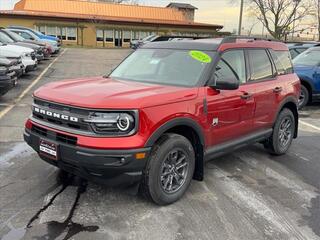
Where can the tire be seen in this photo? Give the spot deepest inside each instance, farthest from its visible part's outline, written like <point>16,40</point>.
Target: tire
<point>304,97</point>
<point>164,168</point>
<point>282,135</point>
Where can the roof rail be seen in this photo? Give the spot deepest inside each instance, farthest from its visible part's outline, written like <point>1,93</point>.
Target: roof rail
<point>233,39</point>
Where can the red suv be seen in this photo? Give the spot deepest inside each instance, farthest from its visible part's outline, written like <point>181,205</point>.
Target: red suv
<point>164,110</point>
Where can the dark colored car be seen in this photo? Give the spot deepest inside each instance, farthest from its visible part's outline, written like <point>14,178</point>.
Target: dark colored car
<point>298,48</point>
<point>8,79</point>
<point>134,44</point>
<point>47,50</point>
<point>307,67</point>
<point>14,64</point>
<point>165,110</point>
<point>6,39</point>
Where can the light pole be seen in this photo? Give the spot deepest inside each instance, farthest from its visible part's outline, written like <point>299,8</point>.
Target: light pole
<point>294,19</point>
<point>240,17</point>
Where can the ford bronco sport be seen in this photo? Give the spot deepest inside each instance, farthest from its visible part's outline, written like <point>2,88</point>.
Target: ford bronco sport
<point>166,109</point>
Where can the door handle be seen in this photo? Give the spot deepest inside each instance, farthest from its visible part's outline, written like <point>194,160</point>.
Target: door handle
<point>246,96</point>
<point>277,90</point>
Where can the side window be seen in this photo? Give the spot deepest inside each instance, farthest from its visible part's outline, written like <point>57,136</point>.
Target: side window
<point>293,53</point>
<point>231,65</point>
<point>282,60</point>
<point>25,35</point>
<point>261,67</point>
<point>301,50</point>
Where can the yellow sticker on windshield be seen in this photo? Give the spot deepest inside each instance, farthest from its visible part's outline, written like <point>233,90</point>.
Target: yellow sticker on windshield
<point>200,56</point>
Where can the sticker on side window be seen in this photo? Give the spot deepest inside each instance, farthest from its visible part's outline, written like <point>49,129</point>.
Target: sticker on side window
<point>200,56</point>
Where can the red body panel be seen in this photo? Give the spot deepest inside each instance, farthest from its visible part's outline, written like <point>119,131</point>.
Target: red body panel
<point>157,104</point>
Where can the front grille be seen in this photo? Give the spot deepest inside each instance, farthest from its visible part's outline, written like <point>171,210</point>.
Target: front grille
<point>58,137</point>
<point>80,114</point>
<point>33,56</point>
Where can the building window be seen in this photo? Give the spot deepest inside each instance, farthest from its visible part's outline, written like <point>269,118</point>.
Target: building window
<point>41,29</point>
<point>108,35</point>
<point>126,36</point>
<point>62,33</point>
<point>71,33</point>
<point>99,35</point>
<point>135,35</point>
<point>143,34</point>
<point>51,31</point>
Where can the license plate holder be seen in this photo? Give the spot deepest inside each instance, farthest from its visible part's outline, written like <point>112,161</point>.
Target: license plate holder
<point>48,149</point>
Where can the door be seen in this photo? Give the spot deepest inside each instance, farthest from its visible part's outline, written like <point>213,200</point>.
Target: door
<point>118,38</point>
<point>230,112</point>
<point>266,87</point>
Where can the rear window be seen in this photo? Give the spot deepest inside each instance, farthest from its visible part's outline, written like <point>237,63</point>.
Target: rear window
<point>282,60</point>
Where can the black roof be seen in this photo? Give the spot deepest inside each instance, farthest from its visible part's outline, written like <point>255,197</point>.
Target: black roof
<point>181,5</point>
<point>201,44</point>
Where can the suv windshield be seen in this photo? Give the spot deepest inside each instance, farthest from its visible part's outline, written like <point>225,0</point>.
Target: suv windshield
<point>308,58</point>
<point>164,66</point>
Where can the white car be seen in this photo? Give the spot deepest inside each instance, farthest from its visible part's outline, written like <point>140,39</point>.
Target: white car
<point>27,55</point>
<point>26,34</point>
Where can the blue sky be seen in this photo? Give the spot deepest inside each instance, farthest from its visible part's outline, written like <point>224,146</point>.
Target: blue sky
<point>210,11</point>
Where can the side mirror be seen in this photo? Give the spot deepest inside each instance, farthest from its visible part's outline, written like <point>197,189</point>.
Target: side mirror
<point>226,84</point>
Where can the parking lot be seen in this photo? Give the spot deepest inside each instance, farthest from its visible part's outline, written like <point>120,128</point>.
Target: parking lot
<point>247,194</point>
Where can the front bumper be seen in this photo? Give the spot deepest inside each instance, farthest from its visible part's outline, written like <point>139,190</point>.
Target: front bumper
<point>39,57</point>
<point>18,69</point>
<point>109,167</point>
<point>6,83</point>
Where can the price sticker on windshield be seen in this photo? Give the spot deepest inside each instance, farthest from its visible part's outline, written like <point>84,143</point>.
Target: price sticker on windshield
<point>200,56</point>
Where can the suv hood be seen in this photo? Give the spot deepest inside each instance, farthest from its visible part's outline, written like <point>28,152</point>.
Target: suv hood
<point>106,93</point>
<point>298,68</point>
<point>13,51</point>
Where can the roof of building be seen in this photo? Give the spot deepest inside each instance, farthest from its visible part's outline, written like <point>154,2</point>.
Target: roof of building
<point>75,9</point>
<point>181,5</point>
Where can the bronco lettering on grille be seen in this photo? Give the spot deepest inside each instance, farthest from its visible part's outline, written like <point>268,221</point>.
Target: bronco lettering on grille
<point>55,115</point>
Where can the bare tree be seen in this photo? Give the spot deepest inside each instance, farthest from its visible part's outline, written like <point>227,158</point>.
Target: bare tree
<point>278,16</point>
<point>316,14</point>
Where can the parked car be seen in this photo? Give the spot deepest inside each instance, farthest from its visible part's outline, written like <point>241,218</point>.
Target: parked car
<point>38,34</point>
<point>47,49</point>
<point>307,67</point>
<point>299,47</point>
<point>26,34</point>
<point>5,39</point>
<point>134,44</point>
<point>27,55</point>
<point>7,79</point>
<point>165,110</point>
<point>14,64</point>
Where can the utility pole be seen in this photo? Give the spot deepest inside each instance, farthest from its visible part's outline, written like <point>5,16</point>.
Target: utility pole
<point>240,17</point>
<point>294,20</point>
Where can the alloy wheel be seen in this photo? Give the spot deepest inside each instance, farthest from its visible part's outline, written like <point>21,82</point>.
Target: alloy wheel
<point>285,132</point>
<point>174,171</point>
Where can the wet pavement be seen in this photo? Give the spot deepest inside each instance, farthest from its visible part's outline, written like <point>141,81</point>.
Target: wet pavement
<point>247,194</point>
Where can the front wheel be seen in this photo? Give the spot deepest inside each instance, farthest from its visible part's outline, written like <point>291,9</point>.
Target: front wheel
<point>283,133</point>
<point>169,170</point>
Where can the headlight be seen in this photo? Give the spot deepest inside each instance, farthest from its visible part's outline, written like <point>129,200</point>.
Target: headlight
<point>114,123</point>
<point>3,70</point>
<point>27,54</point>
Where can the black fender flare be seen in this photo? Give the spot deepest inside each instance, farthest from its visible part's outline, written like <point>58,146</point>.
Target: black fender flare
<point>180,121</point>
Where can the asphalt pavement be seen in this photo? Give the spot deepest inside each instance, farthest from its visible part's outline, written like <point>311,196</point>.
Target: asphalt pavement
<point>247,194</point>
